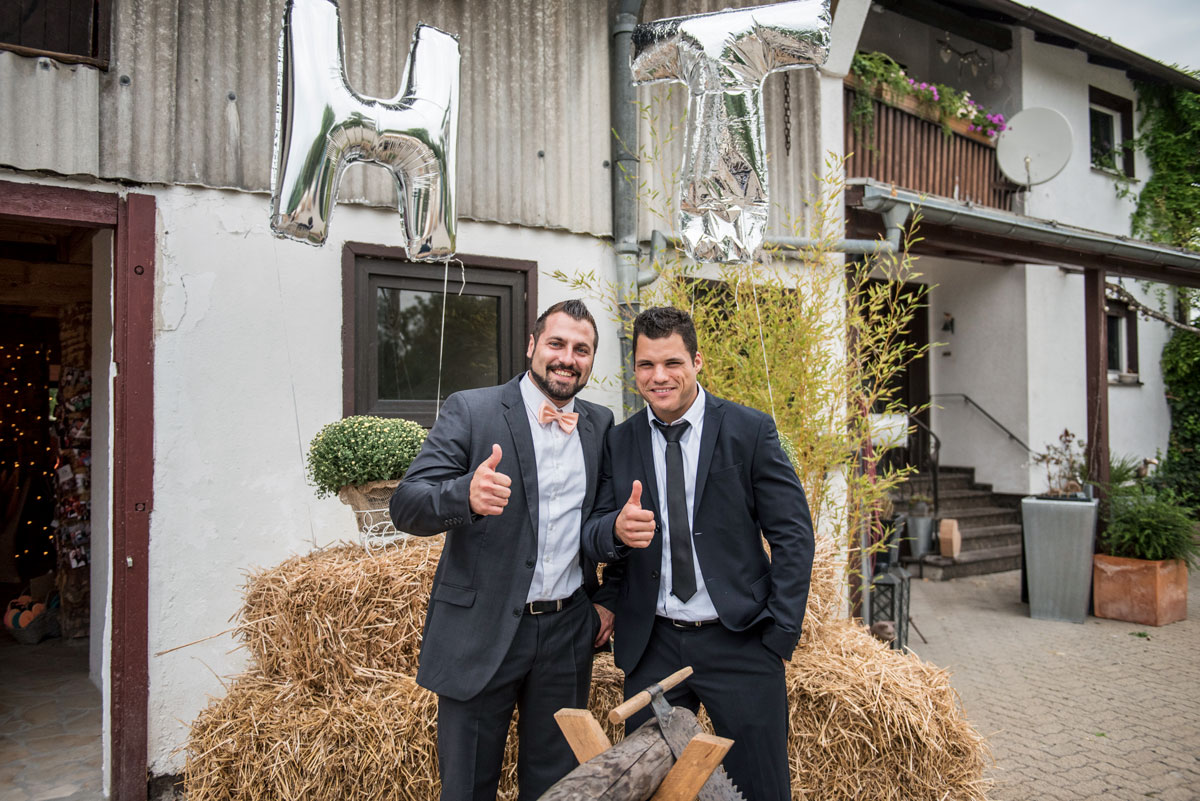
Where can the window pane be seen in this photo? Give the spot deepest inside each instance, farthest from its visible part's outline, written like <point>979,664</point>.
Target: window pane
<point>1114,342</point>
<point>1104,140</point>
<point>409,325</point>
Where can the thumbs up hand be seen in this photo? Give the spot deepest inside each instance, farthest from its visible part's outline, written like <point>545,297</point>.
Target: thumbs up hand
<point>635,525</point>
<point>489,488</point>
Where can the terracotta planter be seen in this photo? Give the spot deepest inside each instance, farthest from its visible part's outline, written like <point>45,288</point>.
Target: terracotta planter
<point>1139,590</point>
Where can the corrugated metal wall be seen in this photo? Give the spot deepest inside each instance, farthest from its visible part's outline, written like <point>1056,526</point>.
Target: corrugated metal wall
<point>190,98</point>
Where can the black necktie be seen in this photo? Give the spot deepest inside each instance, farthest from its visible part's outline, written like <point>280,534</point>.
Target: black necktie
<point>683,575</point>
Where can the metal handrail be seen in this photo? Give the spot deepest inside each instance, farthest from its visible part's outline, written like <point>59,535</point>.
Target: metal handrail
<point>985,413</point>
<point>935,456</point>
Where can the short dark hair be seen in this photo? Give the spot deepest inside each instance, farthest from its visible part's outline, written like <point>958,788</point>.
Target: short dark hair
<point>663,321</point>
<point>573,308</point>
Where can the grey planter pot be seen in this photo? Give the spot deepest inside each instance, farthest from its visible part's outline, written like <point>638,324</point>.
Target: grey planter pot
<point>1059,536</point>
<point>920,530</point>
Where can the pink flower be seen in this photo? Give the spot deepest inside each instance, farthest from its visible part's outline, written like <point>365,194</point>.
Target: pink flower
<point>992,132</point>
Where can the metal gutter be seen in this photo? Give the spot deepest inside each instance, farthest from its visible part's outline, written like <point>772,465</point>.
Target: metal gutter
<point>970,217</point>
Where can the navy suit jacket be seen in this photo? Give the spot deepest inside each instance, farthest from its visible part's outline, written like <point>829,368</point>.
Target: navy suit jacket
<point>746,489</point>
<point>487,564</point>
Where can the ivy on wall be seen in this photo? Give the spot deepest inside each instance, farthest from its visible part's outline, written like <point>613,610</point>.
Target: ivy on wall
<point>1181,373</point>
<point>1168,206</point>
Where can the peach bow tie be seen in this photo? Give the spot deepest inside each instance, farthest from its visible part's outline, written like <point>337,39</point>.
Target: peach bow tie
<point>566,420</point>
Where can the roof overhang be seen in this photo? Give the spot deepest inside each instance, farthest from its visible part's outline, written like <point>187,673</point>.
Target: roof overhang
<point>957,229</point>
<point>974,20</point>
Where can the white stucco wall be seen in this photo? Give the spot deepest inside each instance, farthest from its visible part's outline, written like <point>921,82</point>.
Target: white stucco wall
<point>248,367</point>
<point>984,358</point>
<point>1081,195</point>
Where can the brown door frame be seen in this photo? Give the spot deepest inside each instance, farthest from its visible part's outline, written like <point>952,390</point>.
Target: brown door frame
<point>132,217</point>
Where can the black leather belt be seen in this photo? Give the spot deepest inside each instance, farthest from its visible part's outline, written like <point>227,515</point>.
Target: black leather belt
<point>687,624</point>
<point>545,607</point>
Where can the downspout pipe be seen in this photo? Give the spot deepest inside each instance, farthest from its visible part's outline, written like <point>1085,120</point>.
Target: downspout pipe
<point>624,114</point>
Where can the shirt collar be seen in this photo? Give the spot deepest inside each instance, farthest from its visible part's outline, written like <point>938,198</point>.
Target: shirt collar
<point>534,397</point>
<point>694,415</point>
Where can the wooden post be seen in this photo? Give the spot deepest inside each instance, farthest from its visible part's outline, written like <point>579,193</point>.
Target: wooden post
<point>1096,328</point>
<point>689,773</point>
<point>583,733</point>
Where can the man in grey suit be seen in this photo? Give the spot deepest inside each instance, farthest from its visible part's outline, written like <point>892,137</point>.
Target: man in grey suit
<point>509,473</point>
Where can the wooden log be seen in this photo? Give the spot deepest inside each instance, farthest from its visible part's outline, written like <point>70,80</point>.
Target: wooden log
<point>629,771</point>
<point>697,762</point>
<point>583,733</point>
<point>636,702</point>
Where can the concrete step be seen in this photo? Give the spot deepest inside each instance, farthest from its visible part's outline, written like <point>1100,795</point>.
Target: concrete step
<point>984,516</point>
<point>977,539</point>
<point>972,563</point>
<point>922,483</point>
<point>950,501</point>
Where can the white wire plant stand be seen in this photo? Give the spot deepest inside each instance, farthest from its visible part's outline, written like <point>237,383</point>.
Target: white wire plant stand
<point>375,530</point>
<point>376,533</point>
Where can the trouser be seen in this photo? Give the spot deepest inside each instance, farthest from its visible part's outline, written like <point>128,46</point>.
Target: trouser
<point>741,684</point>
<point>548,667</point>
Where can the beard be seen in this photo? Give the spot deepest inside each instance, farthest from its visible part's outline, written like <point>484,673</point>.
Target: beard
<point>553,386</point>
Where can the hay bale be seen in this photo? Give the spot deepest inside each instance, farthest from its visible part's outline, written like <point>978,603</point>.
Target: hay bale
<point>339,615</point>
<point>272,739</point>
<point>329,709</point>
<point>870,722</point>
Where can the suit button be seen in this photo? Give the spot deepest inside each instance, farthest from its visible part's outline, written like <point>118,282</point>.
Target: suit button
<point>516,613</point>
<point>653,574</point>
<point>528,563</point>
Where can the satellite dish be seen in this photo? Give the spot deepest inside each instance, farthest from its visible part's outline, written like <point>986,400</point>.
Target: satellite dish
<point>1034,147</point>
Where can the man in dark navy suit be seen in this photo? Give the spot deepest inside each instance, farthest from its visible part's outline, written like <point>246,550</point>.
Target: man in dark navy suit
<point>688,490</point>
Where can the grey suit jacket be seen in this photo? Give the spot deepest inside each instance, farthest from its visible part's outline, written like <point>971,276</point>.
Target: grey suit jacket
<point>487,563</point>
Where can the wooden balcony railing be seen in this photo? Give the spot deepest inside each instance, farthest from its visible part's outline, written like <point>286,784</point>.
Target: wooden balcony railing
<point>899,147</point>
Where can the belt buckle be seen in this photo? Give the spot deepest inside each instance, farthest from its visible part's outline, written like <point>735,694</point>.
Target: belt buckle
<point>533,610</point>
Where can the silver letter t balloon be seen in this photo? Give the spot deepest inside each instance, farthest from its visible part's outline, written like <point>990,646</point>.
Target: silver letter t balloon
<point>723,58</point>
<point>322,125</point>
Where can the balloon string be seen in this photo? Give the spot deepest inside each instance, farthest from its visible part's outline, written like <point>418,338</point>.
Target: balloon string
<point>437,405</point>
<point>763,343</point>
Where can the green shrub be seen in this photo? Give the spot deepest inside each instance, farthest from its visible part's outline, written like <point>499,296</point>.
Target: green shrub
<point>1144,524</point>
<point>1180,471</point>
<point>360,449</point>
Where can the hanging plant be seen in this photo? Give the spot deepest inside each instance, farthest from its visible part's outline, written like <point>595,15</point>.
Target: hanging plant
<point>877,75</point>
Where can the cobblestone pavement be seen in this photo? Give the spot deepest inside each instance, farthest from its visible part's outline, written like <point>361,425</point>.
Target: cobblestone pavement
<point>49,722</point>
<point>1098,710</point>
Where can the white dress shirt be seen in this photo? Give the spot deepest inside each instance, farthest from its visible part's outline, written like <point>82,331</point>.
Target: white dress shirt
<point>562,485</point>
<point>700,605</point>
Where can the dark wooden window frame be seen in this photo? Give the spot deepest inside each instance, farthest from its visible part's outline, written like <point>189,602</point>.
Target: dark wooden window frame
<point>101,42</point>
<point>1121,311</point>
<point>134,251</point>
<point>1122,109</point>
<point>356,375</point>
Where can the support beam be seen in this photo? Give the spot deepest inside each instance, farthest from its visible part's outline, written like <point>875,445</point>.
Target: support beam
<point>1096,330</point>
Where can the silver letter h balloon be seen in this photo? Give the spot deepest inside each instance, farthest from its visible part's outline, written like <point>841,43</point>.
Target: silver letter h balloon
<point>322,126</point>
<point>723,58</point>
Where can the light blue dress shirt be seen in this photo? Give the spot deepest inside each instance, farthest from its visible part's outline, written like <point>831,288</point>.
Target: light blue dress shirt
<point>562,486</point>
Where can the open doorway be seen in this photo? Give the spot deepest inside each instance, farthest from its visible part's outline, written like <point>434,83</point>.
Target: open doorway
<point>76,301</point>
<point>54,338</point>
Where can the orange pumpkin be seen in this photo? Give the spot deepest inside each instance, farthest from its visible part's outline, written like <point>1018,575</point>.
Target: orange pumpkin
<point>25,619</point>
<point>10,617</point>
<point>37,608</point>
